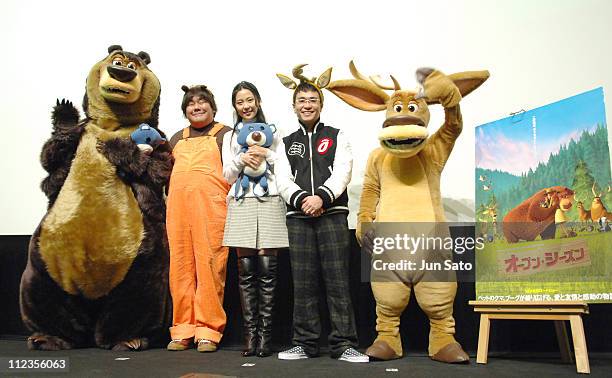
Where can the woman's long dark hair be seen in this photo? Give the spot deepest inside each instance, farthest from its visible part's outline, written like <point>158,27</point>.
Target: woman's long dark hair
<point>259,117</point>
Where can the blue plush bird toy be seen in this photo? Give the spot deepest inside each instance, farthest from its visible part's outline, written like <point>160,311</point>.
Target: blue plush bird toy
<point>147,138</point>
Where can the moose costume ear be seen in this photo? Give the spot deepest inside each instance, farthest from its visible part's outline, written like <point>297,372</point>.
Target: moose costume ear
<point>436,85</point>
<point>466,81</point>
<point>360,94</point>
<point>469,80</point>
<point>185,88</point>
<point>145,57</point>
<point>113,48</point>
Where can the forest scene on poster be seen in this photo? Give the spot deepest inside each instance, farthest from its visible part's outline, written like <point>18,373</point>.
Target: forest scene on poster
<point>544,203</point>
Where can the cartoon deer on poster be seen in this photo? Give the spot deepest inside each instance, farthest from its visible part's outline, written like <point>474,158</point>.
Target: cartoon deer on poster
<point>583,214</point>
<point>598,209</point>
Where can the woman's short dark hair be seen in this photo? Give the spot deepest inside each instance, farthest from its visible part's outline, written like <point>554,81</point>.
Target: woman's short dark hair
<point>197,91</point>
<point>259,117</point>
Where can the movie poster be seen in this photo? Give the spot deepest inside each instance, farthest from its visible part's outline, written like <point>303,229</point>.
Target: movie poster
<point>544,204</point>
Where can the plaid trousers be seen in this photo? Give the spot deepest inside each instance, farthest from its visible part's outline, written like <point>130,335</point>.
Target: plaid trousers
<point>320,247</point>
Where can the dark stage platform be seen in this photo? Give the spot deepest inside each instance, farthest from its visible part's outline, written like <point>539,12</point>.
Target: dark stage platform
<point>228,362</point>
<point>525,348</point>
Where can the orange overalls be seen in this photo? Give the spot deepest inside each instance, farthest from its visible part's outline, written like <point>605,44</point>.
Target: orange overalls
<point>195,222</point>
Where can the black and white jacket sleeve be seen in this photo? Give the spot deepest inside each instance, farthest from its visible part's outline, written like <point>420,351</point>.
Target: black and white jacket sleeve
<point>341,173</point>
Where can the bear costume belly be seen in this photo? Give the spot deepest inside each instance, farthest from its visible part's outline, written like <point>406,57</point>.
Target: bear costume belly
<point>93,231</point>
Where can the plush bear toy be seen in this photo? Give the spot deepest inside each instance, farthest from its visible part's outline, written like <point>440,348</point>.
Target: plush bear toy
<point>147,138</point>
<point>251,134</point>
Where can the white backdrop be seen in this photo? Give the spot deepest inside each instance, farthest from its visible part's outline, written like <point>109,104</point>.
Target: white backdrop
<point>537,52</point>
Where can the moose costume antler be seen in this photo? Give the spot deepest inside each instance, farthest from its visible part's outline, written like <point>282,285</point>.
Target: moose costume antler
<point>376,79</point>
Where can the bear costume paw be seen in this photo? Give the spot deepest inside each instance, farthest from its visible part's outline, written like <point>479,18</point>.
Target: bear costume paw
<point>124,154</point>
<point>131,345</point>
<point>64,114</point>
<point>39,341</point>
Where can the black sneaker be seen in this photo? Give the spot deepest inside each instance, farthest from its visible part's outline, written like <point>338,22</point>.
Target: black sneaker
<point>295,353</point>
<point>351,355</point>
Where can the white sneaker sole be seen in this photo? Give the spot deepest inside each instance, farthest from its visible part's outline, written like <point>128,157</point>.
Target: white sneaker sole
<point>355,359</point>
<point>291,356</point>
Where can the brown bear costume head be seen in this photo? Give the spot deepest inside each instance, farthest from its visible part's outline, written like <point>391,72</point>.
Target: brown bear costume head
<point>121,90</point>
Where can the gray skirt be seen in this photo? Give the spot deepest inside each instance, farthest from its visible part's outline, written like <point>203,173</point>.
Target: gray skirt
<point>256,223</point>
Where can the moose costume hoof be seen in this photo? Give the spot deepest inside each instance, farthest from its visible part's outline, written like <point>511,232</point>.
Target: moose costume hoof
<point>380,350</point>
<point>452,354</point>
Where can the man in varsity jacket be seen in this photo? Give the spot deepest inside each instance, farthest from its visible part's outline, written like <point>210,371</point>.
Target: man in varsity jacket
<point>312,177</point>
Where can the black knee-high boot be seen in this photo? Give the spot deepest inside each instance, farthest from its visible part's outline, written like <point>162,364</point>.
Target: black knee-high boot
<point>267,285</point>
<point>248,287</point>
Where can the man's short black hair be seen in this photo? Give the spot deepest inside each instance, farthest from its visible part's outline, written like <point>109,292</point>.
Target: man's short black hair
<point>305,86</point>
<point>198,91</point>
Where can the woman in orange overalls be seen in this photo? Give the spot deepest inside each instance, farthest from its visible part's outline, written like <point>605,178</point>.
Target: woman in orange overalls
<point>195,222</point>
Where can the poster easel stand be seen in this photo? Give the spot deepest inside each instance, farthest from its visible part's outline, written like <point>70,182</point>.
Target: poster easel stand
<point>558,311</point>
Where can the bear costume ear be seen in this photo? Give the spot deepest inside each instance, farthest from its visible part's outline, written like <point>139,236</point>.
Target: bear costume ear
<point>273,128</point>
<point>185,88</point>
<point>145,57</point>
<point>113,48</point>
<point>203,87</point>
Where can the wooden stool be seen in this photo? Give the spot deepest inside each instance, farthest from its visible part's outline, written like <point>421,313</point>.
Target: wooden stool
<point>559,311</point>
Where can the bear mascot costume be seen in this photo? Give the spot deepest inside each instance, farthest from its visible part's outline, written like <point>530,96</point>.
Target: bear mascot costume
<point>97,271</point>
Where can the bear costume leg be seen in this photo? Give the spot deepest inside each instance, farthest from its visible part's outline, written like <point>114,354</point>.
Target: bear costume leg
<point>391,300</point>
<point>436,300</point>
<point>57,319</point>
<point>135,310</point>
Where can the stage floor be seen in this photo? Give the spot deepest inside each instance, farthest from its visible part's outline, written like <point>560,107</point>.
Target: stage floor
<point>228,362</point>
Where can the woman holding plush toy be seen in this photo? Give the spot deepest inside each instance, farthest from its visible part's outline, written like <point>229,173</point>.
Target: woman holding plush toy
<point>255,223</point>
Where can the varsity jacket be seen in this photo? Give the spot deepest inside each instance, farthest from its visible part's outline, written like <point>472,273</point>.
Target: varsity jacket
<point>318,163</point>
